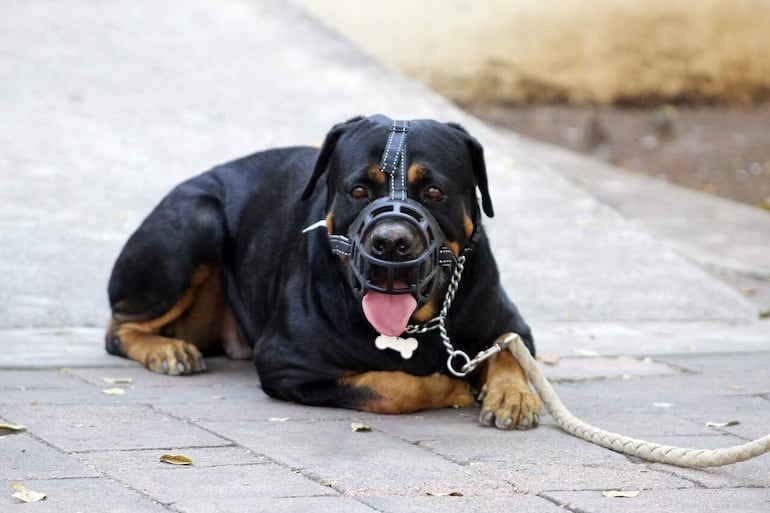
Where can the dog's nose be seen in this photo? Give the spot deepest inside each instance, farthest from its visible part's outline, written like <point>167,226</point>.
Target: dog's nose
<point>394,241</point>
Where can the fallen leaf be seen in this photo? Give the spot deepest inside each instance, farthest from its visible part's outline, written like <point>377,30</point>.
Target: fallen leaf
<point>624,494</point>
<point>12,427</point>
<point>176,459</point>
<point>722,424</point>
<point>444,494</point>
<point>549,359</point>
<point>747,291</point>
<point>358,426</point>
<point>764,313</point>
<point>25,494</point>
<point>118,381</point>
<point>113,391</point>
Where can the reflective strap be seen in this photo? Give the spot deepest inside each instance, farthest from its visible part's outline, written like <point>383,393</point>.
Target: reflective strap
<point>341,245</point>
<point>446,257</point>
<point>393,161</point>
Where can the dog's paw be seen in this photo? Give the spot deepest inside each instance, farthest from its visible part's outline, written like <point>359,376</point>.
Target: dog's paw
<point>509,405</point>
<point>175,357</point>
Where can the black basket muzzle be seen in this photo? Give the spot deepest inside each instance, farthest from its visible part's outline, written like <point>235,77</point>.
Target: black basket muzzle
<point>421,272</point>
<point>418,275</point>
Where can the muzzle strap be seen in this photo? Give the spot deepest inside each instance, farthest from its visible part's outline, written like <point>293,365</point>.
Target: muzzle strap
<point>393,161</point>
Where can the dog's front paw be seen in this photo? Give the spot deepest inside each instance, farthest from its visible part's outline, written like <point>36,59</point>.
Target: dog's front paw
<point>507,401</point>
<point>509,405</point>
<point>174,357</point>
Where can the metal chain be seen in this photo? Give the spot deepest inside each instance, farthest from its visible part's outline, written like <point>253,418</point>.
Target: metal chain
<point>439,323</point>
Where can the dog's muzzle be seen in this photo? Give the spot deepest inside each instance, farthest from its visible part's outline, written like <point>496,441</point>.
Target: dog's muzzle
<point>394,246</point>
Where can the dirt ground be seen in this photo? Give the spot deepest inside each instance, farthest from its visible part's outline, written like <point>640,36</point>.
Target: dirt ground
<point>720,150</point>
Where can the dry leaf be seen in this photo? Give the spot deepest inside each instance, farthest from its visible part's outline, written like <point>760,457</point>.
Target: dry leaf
<point>12,427</point>
<point>549,359</point>
<point>625,494</point>
<point>176,459</point>
<point>444,494</point>
<point>118,381</point>
<point>113,391</point>
<point>358,426</point>
<point>722,424</point>
<point>25,494</point>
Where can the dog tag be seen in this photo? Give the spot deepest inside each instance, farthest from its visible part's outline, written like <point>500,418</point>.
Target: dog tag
<point>405,346</point>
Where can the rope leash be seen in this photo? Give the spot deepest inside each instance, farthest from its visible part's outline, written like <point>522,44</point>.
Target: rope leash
<point>679,456</point>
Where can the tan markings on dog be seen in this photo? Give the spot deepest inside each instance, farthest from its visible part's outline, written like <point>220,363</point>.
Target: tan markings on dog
<point>415,173</point>
<point>172,342</point>
<point>454,246</point>
<point>467,226</point>
<point>399,392</point>
<point>375,174</point>
<point>507,395</point>
<point>426,312</point>
<point>330,222</point>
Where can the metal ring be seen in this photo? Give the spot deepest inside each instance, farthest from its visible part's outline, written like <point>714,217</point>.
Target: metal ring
<point>464,356</point>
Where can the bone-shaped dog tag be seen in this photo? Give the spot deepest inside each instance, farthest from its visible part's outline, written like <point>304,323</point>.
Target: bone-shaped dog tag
<point>405,346</point>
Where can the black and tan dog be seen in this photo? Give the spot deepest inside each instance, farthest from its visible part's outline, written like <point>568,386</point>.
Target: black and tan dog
<point>268,257</point>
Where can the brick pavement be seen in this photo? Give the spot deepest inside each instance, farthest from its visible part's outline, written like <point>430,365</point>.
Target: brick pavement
<point>95,452</point>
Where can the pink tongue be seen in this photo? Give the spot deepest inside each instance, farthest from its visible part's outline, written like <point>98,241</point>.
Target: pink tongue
<point>388,313</point>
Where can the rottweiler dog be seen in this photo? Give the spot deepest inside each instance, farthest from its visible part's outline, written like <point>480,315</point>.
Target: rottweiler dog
<point>315,263</point>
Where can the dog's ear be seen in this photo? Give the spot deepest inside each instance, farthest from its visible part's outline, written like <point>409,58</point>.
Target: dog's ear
<point>479,168</point>
<point>330,142</point>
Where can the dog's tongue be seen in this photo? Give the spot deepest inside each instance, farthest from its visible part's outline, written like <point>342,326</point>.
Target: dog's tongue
<point>388,313</point>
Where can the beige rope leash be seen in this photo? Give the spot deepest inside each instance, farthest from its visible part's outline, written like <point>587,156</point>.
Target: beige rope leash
<point>646,450</point>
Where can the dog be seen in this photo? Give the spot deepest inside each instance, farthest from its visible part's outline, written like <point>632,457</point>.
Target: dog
<point>314,262</point>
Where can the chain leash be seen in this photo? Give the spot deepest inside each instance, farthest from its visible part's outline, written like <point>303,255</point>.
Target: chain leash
<point>467,364</point>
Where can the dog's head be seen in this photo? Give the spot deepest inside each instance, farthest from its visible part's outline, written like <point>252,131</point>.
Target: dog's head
<point>401,207</point>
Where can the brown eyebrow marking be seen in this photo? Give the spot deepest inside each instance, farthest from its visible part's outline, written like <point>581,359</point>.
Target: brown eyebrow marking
<point>416,173</point>
<point>375,174</point>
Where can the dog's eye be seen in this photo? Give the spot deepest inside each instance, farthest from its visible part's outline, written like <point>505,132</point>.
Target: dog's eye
<point>358,192</point>
<point>434,193</point>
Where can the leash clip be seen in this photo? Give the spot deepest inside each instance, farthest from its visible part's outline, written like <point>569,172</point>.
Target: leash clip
<point>483,356</point>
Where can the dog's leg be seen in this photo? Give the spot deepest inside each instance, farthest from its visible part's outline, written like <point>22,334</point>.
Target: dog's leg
<point>144,341</point>
<point>508,402</point>
<point>399,392</point>
<point>166,292</point>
